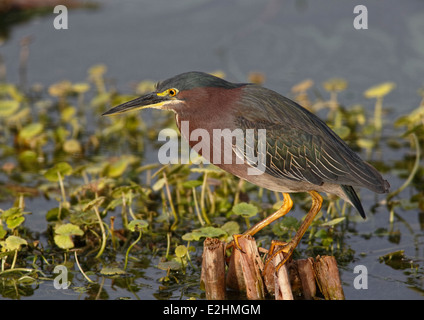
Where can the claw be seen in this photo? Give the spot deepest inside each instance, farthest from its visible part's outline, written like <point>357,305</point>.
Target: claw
<point>287,248</point>
<point>235,242</point>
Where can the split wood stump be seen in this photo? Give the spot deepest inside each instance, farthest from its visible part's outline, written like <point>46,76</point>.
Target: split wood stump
<point>213,269</point>
<point>306,279</point>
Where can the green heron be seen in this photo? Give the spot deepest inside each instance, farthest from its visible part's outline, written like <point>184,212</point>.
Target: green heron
<point>302,153</point>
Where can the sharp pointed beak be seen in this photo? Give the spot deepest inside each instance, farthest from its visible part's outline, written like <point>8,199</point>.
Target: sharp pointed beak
<point>150,100</point>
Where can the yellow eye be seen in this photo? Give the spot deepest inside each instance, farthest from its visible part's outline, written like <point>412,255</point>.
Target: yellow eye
<point>168,92</point>
<point>172,92</point>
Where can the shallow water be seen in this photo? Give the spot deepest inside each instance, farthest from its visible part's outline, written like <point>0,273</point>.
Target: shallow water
<point>287,41</point>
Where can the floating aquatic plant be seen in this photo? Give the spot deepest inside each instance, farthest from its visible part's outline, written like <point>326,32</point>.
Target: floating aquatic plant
<point>110,202</point>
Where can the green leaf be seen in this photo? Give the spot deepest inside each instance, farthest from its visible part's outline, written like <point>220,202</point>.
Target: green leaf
<point>98,70</point>
<point>63,241</point>
<point>28,156</point>
<point>333,222</point>
<point>395,255</point>
<point>365,143</point>
<point>100,99</point>
<point>30,131</point>
<point>158,184</point>
<point>72,146</point>
<point>322,234</point>
<point>192,184</point>
<point>63,235</point>
<point>207,232</point>
<point>278,205</point>
<point>379,90</point>
<point>8,107</point>
<point>62,167</point>
<point>335,85</point>
<point>80,87</point>
<point>210,169</point>
<point>173,265</point>
<point>27,280</point>
<point>407,204</point>
<point>290,222</point>
<point>181,251</point>
<point>3,232</point>
<point>12,212</point>
<point>93,203</point>
<point>15,222</point>
<point>13,217</point>
<point>53,214</point>
<point>245,210</point>
<point>282,227</point>
<point>68,113</point>
<point>60,134</point>
<point>189,236</point>
<point>231,227</point>
<point>69,229</point>
<point>113,204</point>
<point>117,168</point>
<point>342,131</point>
<point>14,243</point>
<point>112,271</point>
<point>137,224</point>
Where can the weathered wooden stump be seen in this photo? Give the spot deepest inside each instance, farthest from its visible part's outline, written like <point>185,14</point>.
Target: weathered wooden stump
<point>213,269</point>
<point>328,278</point>
<point>278,283</point>
<point>245,270</point>
<point>300,279</point>
<point>304,269</point>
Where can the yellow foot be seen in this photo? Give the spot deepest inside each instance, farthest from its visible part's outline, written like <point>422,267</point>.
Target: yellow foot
<point>280,247</point>
<point>235,242</point>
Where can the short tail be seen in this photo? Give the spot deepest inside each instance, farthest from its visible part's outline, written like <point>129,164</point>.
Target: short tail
<point>353,197</point>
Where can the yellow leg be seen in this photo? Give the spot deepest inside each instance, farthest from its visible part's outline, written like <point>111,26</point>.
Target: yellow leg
<point>285,208</point>
<point>288,248</point>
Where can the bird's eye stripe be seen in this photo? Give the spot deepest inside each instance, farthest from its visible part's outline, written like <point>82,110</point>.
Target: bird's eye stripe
<point>168,92</point>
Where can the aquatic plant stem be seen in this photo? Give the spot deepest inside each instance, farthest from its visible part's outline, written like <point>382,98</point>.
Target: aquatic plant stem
<point>188,255</point>
<point>130,247</point>
<point>80,269</point>
<point>168,244</point>
<point>407,181</point>
<point>130,206</point>
<point>102,228</point>
<point>14,259</point>
<point>124,211</point>
<point>171,204</point>
<point>414,169</point>
<point>378,111</point>
<point>202,199</point>
<point>196,206</point>
<point>62,187</point>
